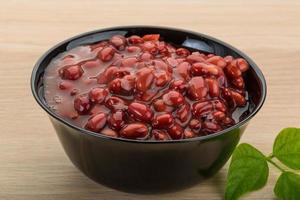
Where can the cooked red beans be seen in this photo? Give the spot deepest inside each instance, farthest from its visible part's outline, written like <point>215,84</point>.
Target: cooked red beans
<point>144,88</point>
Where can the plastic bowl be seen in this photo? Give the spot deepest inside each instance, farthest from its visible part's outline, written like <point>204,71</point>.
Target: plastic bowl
<point>149,166</point>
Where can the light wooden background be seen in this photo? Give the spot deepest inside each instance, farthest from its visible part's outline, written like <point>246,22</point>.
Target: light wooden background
<point>32,162</point>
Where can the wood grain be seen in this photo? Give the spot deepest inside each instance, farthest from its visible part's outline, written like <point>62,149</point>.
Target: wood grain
<point>32,162</point>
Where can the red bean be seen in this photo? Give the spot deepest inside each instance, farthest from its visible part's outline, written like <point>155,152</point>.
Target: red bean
<point>242,64</point>
<point>183,69</point>
<point>109,132</point>
<point>201,108</point>
<point>154,51</point>
<point>182,52</point>
<point>140,112</point>
<point>116,120</point>
<point>197,69</point>
<point>98,95</point>
<point>162,49</point>
<point>160,106</point>
<point>162,120</point>
<point>183,113</point>
<point>197,89</point>
<point>108,75</point>
<point>232,71</point>
<point>129,62</point>
<point>219,105</point>
<point>178,85</point>
<point>210,55</point>
<point>173,98</point>
<point>106,54</point>
<point>144,78</point>
<point>238,82</point>
<point>217,60</point>
<point>115,86</point>
<point>238,98</point>
<point>134,39</point>
<point>195,58</point>
<point>134,131</point>
<point>170,48</point>
<point>115,103</point>
<point>72,72</point>
<point>160,135</point>
<point>127,84</point>
<point>121,72</point>
<point>226,94</point>
<point>211,127</point>
<point>118,41</point>
<point>228,121</point>
<point>219,115</point>
<point>172,62</point>
<point>162,78</point>
<point>181,60</point>
<point>96,122</point>
<point>175,131</point>
<point>213,87</point>
<point>228,59</point>
<point>133,49</point>
<point>146,57</point>
<point>160,65</point>
<point>150,47</point>
<point>233,97</point>
<point>82,104</point>
<point>188,134</point>
<point>195,125</point>
<point>151,37</point>
<point>200,68</point>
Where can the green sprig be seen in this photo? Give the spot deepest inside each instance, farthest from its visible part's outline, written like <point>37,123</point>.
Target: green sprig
<point>249,170</point>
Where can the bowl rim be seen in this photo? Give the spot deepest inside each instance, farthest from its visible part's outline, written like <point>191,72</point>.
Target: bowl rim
<point>252,64</point>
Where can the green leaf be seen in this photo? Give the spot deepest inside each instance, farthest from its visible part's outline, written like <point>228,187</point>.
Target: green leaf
<point>288,186</point>
<point>287,147</point>
<point>248,171</point>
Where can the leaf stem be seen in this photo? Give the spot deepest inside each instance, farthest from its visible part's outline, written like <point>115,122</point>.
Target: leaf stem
<point>269,159</point>
<point>271,156</point>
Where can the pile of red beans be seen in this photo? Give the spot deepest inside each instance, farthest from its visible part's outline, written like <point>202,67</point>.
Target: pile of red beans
<point>144,88</point>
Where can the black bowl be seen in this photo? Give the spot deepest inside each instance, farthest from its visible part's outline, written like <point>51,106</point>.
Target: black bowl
<point>149,166</point>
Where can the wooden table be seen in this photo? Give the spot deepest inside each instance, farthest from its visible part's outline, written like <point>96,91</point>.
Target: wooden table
<point>32,162</point>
